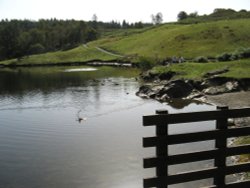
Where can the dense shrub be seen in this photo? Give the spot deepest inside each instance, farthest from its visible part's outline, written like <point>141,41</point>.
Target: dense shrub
<point>245,53</point>
<point>235,56</point>
<point>36,48</point>
<point>238,54</point>
<point>146,63</point>
<point>224,57</point>
<point>201,59</point>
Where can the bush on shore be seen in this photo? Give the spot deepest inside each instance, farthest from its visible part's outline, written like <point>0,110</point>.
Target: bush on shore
<point>224,57</point>
<point>242,53</point>
<point>201,59</point>
<point>146,63</point>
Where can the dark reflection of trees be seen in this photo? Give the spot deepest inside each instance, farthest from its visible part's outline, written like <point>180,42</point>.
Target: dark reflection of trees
<point>19,81</point>
<point>181,103</point>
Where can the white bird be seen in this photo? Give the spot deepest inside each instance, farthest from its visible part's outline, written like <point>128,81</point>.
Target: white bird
<point>80,119</point>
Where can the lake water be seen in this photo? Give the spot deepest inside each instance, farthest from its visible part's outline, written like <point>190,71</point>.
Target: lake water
<point>42,143</point>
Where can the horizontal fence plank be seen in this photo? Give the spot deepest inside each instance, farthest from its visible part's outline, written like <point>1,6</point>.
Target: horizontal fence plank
<point>195,137</point>
<point>233,169</point>
<point>180,138</point>
<point>180,158</point>
<point>194,116</point>
<point>236,132</point>
<point>238,150</point>
<point>180,178</point>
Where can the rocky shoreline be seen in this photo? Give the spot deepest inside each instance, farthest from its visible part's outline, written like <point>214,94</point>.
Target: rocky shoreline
<point>163,88</point>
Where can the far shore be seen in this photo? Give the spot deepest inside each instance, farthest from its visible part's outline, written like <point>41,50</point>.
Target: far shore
<point>113,63</point>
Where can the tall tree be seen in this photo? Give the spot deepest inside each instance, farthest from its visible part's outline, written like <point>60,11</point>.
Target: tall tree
<point>94,22</point>
<point>94,18</point>
<point>9,33</point>
<point>182,15</point>
<point>193,14</point>
<point>125,24</point>
<point>157,19</point>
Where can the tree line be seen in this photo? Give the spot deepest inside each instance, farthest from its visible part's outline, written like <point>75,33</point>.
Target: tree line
<point>24,37</point>
<point>217,14</point>
<point>20,38</point>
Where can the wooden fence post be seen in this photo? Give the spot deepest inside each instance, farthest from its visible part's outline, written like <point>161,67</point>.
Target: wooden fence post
<point>221,144</point>
<point>162,149</point>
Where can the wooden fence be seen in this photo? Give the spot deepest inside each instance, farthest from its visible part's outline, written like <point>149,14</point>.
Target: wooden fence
<point>221,151</point>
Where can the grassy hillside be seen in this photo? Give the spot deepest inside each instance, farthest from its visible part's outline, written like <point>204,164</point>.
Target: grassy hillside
<point>202,39</point>
<point>159,42</point>
<point>79,54</point>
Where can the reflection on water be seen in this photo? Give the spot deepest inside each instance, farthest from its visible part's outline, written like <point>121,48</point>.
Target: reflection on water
<point>42,143</point>
<point>80,70</point>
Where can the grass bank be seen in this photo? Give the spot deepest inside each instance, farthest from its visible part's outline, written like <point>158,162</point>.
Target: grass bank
<point>239,69</point>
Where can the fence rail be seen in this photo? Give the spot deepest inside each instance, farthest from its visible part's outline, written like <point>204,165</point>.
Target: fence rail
<point>221,151</point>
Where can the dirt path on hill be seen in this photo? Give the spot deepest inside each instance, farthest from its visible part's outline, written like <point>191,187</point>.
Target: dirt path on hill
<point>104,51</point>
<point>108,52</point>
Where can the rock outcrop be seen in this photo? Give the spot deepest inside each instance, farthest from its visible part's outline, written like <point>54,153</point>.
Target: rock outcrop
<point>171,90</point>
<point>229,86</point>
<point>162,88</point>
